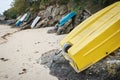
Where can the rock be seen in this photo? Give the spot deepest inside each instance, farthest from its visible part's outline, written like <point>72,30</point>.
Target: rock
<point>42,7</point>
<point>84,15</point>
<point>60,68</point>
<point>10,22</point>
<point>49,9</point>
<point>57,18</point>
<point>46,14</point>
<point>2,18</point>
<point>70,5</point>
<point>23,71</point>
<point>113,65</point>
<point>42,14</point>
<point>77,20</point>
<point>54,20</point>
<point>63,9</point>
<point>23,24</point>
<point>69,28</point>
<point>4,59</point>
<point>63,29</point>
<point>42,23</point>
<point>55,12</point>
<point>53,30</point>
<point>46,58</point>
<point>27,26</point>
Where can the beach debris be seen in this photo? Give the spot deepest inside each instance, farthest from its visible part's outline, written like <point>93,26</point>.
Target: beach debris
<point>18,50</point>
<point>10,22</point>
<point>2,41</point>
<point>4,36</point>
<point>4,59</point>
<point>23,71</point>
<point>37,43</point>
<point>36,52</point>
<point>8,34</point>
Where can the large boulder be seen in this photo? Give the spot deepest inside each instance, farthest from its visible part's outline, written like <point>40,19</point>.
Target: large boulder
<point>65,28</point>
<point>63,9</point>
<point>54,20</point>
<point>55,12</point>
<point>48,11</point>
<point>42,14</point>
<point>42,23</point>
<point>106,69</point>
<point>10,22</point>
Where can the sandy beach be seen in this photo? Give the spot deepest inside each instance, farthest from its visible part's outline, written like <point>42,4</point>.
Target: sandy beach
<point>20,50</point>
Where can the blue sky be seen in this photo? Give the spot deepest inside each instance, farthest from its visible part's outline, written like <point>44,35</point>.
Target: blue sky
<point>4,5</point>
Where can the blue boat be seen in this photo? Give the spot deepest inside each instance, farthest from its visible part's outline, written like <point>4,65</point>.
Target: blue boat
<point>18,23</point>
<point>66,18</point>
<point>21,20</point>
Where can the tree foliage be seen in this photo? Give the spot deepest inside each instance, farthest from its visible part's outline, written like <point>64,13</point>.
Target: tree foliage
<point>21,6</point>
<point>10,13</point>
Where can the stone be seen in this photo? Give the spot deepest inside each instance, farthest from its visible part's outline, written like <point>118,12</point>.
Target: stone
<point>54,20</point>
<point>10,22</point>
<point>27,26</point>
<point>71,5</point>
<point>42,7</point>
<point>46,14</point>
<point>53,30</point>
<point>61,68</point>
<point>42,14</point>
<point>49,9</point>
<point>69,28</point>
<point>63,9</point>
<point>84,15</point>
<point>62,29</point>
<point>42,23</point>
<point>55,12</point>
<point>113,65</point>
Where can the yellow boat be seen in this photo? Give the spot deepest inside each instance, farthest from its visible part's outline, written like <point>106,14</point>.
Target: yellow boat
<point>93,39</point>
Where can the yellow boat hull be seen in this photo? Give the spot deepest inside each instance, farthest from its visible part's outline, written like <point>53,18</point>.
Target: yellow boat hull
<point>94,39</point>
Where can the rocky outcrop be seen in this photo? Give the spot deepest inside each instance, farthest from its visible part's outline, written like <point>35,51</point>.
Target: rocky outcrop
<point>63,9</point>
<point>106,69</point>
<point>55,12</point>
<point>52,14</point>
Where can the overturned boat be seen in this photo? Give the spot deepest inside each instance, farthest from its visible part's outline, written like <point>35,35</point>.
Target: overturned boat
<point>93,39</point>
